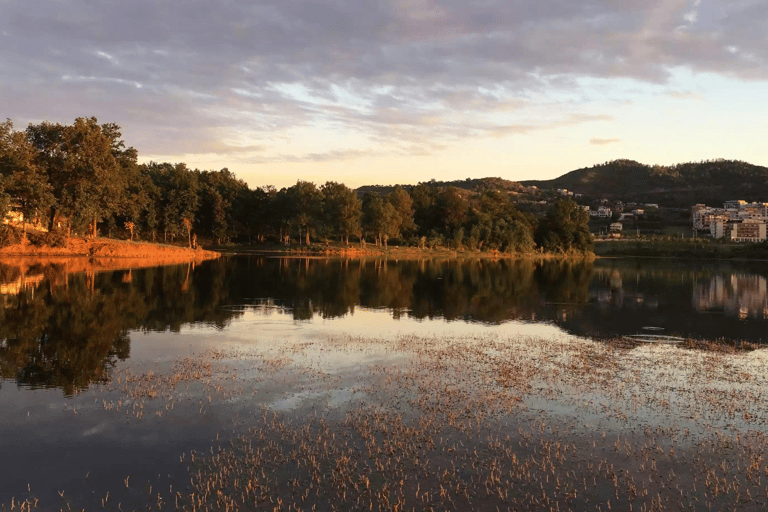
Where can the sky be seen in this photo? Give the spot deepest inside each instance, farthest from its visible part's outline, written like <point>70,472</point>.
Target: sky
<point>388,91</point>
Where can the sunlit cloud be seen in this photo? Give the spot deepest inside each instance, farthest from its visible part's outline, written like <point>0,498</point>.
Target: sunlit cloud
<point>403,78</point>
<point>602,142</point>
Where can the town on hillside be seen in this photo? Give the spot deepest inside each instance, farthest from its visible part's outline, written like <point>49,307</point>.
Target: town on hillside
<point>738,220</point>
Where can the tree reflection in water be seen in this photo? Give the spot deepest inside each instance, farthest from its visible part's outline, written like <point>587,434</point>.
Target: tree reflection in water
<point>67,329</point>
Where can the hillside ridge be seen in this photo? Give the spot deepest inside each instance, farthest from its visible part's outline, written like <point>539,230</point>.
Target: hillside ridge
<point>677,185</point>
<point>684,184</point>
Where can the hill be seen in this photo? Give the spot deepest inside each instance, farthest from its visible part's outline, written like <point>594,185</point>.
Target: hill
<point>681,185</point>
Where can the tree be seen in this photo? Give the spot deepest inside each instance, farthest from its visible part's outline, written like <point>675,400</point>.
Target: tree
<point>452,208</point>
<point>142,201</point>
<point>223,199</point>
<point>565,229</point>
<point>306,204</point>
<point>342,210</point>
<point>23,180</point>
<point>177,196</point>
<point>379,218</point>
<point>261,216</point>
<point>188,226</point>
<point>403,211</point>
<point>423,197</point>
<point>84,164</point>
<point>47,139</point>
<point>130,226</point>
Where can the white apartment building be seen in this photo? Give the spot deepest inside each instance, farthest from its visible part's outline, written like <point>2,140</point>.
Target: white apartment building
<point>738,220</point>
<point>718,226</point>
<point>602,211</point>
<point>748,231</point>
<point>702,215</point>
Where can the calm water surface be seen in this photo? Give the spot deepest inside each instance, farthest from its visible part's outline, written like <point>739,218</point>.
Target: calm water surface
<point>84,409</point>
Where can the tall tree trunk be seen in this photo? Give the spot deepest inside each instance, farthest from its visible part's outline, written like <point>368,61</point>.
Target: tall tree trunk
<point>52,219</point>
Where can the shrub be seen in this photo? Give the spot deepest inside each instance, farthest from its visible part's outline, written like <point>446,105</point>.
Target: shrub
<point>9,235</point>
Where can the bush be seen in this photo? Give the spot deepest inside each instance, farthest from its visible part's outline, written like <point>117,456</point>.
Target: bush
<point>49,239</point>
<point>55,239</point>
<point>9,235</point>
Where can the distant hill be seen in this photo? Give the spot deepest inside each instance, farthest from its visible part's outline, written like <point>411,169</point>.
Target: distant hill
<point>711,182</point>
<point>475,185</point>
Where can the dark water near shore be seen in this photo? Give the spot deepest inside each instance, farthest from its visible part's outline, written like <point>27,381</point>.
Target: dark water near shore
<point>82,408</point>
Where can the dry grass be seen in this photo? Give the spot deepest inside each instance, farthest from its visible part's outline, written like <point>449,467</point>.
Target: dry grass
<point>483,423</point>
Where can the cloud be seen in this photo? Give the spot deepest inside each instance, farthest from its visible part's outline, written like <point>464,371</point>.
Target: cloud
<point>398,72</point>
<point>329,156</point>
<point>602,142</point>
<point>685,95</point>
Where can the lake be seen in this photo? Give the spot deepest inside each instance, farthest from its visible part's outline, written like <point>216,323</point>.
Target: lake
<point>255,383</point>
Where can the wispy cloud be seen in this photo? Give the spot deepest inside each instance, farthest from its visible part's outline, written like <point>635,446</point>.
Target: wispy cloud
<point>685,95</point>
<point>396,72</point>
<point>602,142</point>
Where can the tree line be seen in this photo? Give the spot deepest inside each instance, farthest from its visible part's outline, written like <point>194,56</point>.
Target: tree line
<point>82,178</point>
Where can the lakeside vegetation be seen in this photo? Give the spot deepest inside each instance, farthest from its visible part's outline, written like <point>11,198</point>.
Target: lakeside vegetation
<point>671,247</point>
<point>82,178</point>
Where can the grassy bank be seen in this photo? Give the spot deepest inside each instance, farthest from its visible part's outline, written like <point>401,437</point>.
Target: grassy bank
<point>685,248</point>
<point>45,245</point>
<point>393,252</point>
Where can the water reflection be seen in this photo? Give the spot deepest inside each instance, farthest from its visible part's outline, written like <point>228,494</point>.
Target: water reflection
<point>741,295</point>
<point>65,329</point>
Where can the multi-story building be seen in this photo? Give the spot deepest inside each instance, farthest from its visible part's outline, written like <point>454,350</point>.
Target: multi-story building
<point>703,215</point>
<point>738,220</point>
<point>749,230</point>
<point>601,211</point>
<point>718,226</point>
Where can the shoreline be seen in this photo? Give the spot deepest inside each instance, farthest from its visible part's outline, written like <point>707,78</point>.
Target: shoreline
<point>392,252</point>
<point>690,251</point>
<point>83,254</point>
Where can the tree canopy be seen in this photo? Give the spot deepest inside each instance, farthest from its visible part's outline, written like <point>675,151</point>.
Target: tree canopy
<point>83,178</point>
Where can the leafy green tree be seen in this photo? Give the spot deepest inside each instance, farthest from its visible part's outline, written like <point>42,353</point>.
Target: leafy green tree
<point>305,202</point>
<point>379,218</point>
<point>403,205</point>
<point>47,139</point>
<point>283,209</point>
<point>452,208</point>
<point>84,164</point>
<point>222,211</point>
<point>423,197</point>
<point>23,180</point>
<point>142,202</point>
<point>519,237</point>
<point>178,197</point>
<point>565,229</point>
<point>261,218</point>
<point>342,210</point>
